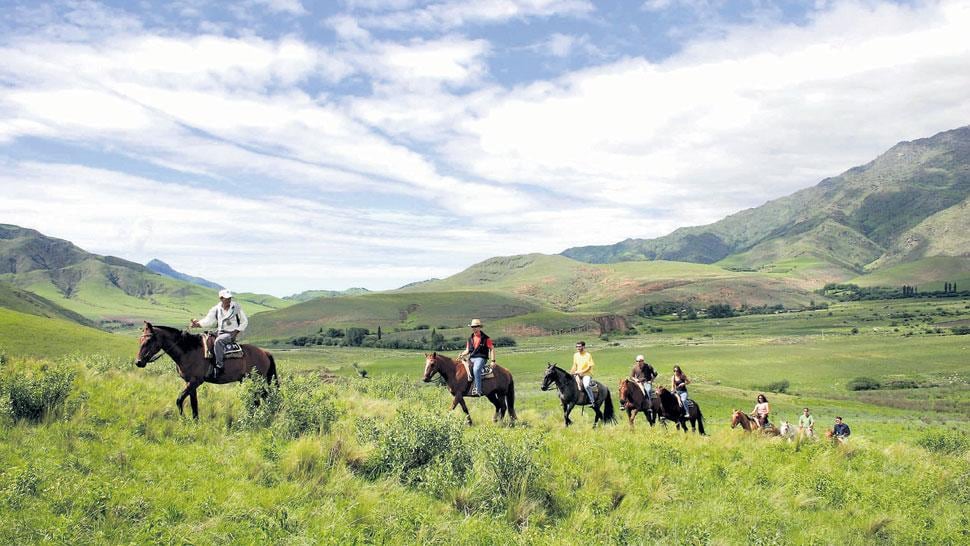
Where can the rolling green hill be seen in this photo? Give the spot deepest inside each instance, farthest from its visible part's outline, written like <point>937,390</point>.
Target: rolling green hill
<point>106,290</point>
<point>387,310</point>
<point>14,299</point>
<point>927,274</point>
<point>24,334</point>
<point>909,203</point>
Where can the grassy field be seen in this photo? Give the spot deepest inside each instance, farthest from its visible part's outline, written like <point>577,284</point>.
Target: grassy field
<point>380,460</point>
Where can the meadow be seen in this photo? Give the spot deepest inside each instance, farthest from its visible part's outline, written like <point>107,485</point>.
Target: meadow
<point>102,455</point>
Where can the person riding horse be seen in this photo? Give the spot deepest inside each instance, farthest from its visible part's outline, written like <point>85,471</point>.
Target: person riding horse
<point>478,348</point>
<point>761,411</point>
<point>643,375</point>
<point>229,319</point>
<point>583,368</point>
<point>679,382</point>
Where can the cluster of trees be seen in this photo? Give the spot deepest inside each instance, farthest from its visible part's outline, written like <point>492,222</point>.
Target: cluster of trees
<point>363,337</point>
<point>851,292</point>
<point>687,311</point>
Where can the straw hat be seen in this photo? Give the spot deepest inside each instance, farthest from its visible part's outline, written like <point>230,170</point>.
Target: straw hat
<point>475,322</point>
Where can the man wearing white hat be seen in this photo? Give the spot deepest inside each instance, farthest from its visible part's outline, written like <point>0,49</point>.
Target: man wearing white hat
<point>478,349</point>
<point>229,319</point>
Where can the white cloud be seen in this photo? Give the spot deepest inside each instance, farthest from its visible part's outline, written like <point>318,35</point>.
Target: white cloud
<point>292,7</point>
<point>456,13</point>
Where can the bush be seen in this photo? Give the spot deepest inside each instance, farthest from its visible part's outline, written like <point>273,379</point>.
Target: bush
<point>777,386</point>
<point>863,384</point>
<point>423,449</point>
<point>33,396</point>
<point>307,407</point>
<point>261,403</point>
<point>957,331</point>
<point>503,341</point>
<point>949,442</point>
<point>901,384</point>
<point>510,464</point>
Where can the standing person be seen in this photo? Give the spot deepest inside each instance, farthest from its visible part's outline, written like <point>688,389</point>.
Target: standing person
<point>229,320</point>
<point>679,382</point>
<point>478,349</point>
<point>583,367</point>
<point>841,430</point>
<point>806,423</point>
<point>643,374</point>
<point>761,410</point>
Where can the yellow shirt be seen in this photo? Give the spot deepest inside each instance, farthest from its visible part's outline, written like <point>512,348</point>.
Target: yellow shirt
<point>582,364</point>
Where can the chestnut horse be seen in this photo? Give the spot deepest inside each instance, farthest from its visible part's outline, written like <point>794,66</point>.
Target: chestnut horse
<point>500,389</point>
<point>186,350</point>
<point>749,423</point>
<point>633,400</point>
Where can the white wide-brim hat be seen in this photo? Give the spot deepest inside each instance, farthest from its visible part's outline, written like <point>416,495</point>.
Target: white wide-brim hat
<point>225,293</point>
<point>475,322</point>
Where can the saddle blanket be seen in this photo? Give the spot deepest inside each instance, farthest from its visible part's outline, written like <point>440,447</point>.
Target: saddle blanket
<point>233,350</point>
<point>487,371</point>
<point>594,385</point>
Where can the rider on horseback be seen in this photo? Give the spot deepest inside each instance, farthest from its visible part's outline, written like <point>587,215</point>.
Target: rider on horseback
<point>761,411</point>
<point>679,381</point>
<point>643,374</point>
<point>583,368</point>
<point>229,319</point>
<point>477,350</point>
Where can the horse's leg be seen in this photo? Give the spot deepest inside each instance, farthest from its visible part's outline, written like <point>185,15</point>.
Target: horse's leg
<point>632,416</point>
<point>464,408</point>
<point>566,408</point>
<point>181,397</point>
<point>597,414</point>
<point>194,400</point>
<point>497,402</point>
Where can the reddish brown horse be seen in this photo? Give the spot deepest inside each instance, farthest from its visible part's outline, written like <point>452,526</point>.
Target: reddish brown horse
<point>500,389</point>
<point>749,423</point>
<point>633,400</point>
<point>186,350</point>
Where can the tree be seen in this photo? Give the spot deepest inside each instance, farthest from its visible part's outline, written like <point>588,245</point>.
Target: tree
<point>378,333</point>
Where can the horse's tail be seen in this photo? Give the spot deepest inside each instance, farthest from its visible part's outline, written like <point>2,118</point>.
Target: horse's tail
<point>700,420</point>
<point>271,375</point>
<point>608,412</point>
<point>510,399</point>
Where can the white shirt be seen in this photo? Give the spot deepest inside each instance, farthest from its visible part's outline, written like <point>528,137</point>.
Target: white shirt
<point>225,320</point>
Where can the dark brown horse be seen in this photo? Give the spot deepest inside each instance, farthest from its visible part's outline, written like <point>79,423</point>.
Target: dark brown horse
<point>671,410</point>
<point>749,423</point>
<point>186,350</point>
<point>633,400</point>
<point>500,389</point>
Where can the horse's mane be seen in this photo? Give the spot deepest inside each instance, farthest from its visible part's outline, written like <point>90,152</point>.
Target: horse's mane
<point>185,340</point>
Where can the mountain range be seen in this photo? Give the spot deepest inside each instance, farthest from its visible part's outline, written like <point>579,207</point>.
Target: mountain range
<point>909,203</point>
<point>903,218</point>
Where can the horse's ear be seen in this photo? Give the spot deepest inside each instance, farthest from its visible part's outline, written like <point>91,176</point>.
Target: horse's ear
<point>549,365</point>
<point>148,325</point>
<point>434,354</point>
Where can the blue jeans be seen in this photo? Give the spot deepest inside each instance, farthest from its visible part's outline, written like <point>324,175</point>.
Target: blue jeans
<point>683,399</point>
<point>477,364</point>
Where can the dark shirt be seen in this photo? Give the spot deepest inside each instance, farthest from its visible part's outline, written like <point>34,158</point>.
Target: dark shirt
<point>841,429</point>
<point>643,373</point>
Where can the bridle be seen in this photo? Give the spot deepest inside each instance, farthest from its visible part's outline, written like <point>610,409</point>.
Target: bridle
<point>145,336</point>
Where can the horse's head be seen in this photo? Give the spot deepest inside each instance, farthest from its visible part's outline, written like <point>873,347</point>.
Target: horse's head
<point>150,346</point>
<point>735,417</point>
<point>550,376</point>
<point>430,366</point>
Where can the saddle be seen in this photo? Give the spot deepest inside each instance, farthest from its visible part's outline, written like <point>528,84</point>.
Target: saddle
<point>233,350</point>
<point>487,371</point>
<point>594,385</point>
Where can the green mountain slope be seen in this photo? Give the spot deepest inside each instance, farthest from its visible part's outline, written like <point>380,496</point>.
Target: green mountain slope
<point>389,311</point>
<point>314,294</point>
<point>25,334</point>
<point>927,274</point>
<point>14,299</point>
<point>878,203</point>
<point>109,291</point>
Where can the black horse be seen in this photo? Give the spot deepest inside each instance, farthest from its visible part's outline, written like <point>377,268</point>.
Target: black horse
<point>572,396</point>
<point>670,410</point>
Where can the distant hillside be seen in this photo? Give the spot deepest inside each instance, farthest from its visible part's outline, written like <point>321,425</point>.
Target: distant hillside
<point>163,268</point>
<point>387,310</point>
<point>564,284</point>
<point>14,299</point>
<point>314,294</point>
<point>111,292</point>
<point>909,203</point>
<point>25,334</point>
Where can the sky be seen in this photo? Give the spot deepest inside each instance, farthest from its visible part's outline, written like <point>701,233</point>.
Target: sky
<point>277,146</point>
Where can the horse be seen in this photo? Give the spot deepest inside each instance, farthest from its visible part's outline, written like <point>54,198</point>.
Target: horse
<point>670,410</point>
<point>572,396</point>
<point>500,389</point>
<point>189,356</point>
<point>787,431</point>
<point>749,423</point>
<point>633,400</point>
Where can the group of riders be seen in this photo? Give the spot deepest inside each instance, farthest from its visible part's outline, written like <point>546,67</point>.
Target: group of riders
<point>229,320</point>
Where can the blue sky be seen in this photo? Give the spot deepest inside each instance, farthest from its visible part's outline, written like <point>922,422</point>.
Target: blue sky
<point>283,145</point>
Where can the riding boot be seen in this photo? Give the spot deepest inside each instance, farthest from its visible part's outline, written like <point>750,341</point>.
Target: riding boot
<point>217,371</point>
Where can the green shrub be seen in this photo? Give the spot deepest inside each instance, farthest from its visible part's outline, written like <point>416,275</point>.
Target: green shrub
<point>33,395</point>
<point>776,386</point>
<point>423,448</point>
<point>863,384</point>
<point>307,407</point>
<point>261,403</point>
<point>510,462</point>
<point>957,330</point>
<point>950,442</point>
<point>901,384</point>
